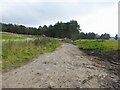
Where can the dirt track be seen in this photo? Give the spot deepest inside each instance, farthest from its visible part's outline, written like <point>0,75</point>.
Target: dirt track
<point>67,67</point>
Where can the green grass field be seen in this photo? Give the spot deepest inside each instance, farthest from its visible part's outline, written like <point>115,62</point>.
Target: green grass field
<point>6,37</point>
<point>16,53</point>
<point>94,44</point>
<point>10,36</point>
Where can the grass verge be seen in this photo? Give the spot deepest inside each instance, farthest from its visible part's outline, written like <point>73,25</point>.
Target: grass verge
<point>107,50</point>
<point>105,45</point>
<point>17,53</point>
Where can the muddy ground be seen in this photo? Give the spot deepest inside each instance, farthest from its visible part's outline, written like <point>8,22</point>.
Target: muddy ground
<point>66,67</point>
<point>113,57</point>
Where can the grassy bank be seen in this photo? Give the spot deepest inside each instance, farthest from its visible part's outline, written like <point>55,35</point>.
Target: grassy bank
<point>17,53</point>
<point>99,45</point>
<point>107,50</point>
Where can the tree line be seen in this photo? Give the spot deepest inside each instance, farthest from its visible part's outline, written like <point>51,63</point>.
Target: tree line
<point>70,30</point>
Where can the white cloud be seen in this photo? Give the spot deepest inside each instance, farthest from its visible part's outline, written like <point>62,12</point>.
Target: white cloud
<point>93,15</point>
<point>103,20</point>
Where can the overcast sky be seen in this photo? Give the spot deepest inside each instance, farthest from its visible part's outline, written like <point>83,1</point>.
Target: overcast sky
<point>99,16</point>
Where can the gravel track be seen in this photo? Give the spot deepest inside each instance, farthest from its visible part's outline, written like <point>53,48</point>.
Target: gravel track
<point>66,67</point>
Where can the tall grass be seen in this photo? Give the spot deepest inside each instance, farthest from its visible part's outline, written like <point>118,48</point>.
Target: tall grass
<point>17,53</point>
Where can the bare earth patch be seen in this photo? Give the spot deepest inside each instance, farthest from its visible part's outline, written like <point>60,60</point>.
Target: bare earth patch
<point>67,67</point>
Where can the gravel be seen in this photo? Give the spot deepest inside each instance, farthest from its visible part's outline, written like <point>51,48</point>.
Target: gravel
<point>66,67</point>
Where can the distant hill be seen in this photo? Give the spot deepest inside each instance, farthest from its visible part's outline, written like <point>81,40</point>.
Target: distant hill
<point>118,38</point>
<point>113,38</point>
